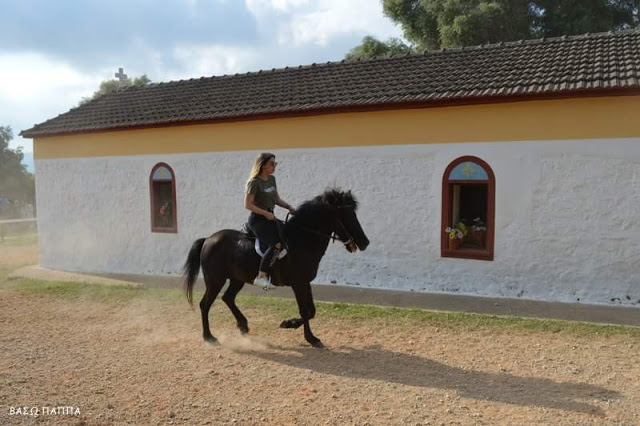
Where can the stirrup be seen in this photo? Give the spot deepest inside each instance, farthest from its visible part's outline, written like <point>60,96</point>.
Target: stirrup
<point>282,253</point>
<point>263,283</point>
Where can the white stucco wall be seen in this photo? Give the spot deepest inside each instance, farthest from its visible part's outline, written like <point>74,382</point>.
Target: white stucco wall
<point>567,225</point>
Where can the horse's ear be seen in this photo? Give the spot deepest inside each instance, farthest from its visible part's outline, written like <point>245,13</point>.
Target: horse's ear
<point>352,199</point>
<point>330,196</point>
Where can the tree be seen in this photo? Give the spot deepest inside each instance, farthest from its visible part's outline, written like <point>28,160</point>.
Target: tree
<point>581,16</point>
<point>434,24</point>
<point>371,47</point>
<point>110,86</point>
<point>17,185</point>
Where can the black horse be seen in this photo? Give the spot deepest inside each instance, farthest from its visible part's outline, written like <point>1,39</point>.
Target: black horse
<point>230,254</point>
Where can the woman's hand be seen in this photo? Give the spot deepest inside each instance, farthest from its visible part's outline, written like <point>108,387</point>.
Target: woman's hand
<point>292,210</point>
<point>270,216</point>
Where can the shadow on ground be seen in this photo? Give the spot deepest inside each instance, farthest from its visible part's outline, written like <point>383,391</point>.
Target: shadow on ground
<point>375,363</point>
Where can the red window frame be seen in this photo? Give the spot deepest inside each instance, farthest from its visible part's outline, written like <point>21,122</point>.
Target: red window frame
<point>447,211</point>
<point>154,202</point>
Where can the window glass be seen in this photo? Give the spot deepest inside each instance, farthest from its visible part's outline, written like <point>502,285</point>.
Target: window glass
<point>468,171</point>
<point>162,173</point>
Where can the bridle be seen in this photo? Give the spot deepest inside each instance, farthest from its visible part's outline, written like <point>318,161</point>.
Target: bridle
<point>334,235</point>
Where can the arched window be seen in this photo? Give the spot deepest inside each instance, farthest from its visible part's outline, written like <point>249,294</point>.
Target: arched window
<point>468,209</point>
<point>162,183</point>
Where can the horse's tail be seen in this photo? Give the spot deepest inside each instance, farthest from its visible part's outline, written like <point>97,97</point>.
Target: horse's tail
<point>191,268</point>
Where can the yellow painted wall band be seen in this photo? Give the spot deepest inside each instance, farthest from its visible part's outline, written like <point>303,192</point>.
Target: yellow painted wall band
<point>578,118</point>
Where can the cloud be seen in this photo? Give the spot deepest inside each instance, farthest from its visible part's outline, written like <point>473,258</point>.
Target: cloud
<point>212,60</point>
<point>258,7</point>
<point>338,18</point>
<point>35,87</point>
<point>29,76</point>
<point>87,34</point>
<point>299,22</point>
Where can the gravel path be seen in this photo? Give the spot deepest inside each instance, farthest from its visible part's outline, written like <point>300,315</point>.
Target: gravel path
<point>144,362</point>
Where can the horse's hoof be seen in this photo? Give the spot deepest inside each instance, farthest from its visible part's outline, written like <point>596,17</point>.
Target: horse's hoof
<point>318,345</point>
<point>244,330</point>
<point>290,324</point>
<point>211,340</point>
<point>286,324</point>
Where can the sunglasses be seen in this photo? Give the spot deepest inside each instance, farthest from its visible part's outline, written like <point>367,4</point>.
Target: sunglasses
<point>272,163</point>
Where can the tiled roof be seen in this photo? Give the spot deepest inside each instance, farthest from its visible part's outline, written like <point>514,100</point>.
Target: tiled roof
<point>582,64</point>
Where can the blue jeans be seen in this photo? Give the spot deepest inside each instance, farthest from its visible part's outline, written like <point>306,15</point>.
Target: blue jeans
<point>269,232</point>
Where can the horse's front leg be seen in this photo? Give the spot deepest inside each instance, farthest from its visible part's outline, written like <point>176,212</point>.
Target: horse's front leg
<point>307,312</point>
<point>298,322</point>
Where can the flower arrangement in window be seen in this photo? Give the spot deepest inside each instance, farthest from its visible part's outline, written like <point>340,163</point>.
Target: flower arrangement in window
<point>479,231</point>
<point>456,235</point>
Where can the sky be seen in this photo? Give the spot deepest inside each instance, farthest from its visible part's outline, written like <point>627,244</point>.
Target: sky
<point>54,53</point>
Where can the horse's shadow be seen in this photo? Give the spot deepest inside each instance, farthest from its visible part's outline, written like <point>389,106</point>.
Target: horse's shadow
<point>375,363</point>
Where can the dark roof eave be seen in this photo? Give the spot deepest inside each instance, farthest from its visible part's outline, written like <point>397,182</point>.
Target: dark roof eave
<point>365,107</point>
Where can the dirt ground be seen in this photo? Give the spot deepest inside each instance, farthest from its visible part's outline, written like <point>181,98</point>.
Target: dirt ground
<point>144,362</point>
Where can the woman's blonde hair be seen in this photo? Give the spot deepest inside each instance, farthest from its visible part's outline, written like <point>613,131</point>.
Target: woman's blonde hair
<point>261,161</point>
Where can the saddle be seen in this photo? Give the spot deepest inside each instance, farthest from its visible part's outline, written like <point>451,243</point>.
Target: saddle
<point>259,246</point>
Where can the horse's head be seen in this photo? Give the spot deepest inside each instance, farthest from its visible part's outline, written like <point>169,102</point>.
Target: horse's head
<point>347,226</point>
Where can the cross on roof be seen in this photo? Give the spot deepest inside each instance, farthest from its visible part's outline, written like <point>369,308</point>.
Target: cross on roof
<point>121,76</point>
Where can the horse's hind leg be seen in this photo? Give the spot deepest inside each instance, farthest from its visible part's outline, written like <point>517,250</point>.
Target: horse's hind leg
<point>229,298</point>
<point>213,288</point>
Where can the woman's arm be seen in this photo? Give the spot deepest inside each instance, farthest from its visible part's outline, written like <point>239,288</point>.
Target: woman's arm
<point>248,204</point>
<point>282,203</point>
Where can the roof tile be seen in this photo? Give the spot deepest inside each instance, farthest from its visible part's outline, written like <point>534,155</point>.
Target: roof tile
<point>533,67</point>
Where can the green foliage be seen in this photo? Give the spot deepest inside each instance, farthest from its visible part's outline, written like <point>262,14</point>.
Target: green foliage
<point>86,291</point>
<point>111,86</point>
<point>555,17</point>
<point>23,236</point>
<point>282,308</point>
<point>16,183</point>
<point>451,320</point>
<point>465,23</point>
<point>452,23</point>
<point>434,24</point>
<point>419,23</point>
<point>371,47</point>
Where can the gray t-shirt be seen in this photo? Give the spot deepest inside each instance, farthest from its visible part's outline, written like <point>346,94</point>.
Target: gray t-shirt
<point>265,192</point>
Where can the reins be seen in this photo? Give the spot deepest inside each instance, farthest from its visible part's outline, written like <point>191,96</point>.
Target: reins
<point>333,236</point>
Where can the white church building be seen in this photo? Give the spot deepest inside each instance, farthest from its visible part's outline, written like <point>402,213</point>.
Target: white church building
<point>528,153</point>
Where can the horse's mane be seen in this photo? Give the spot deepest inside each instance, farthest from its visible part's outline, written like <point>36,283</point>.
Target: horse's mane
<point>331,197</point>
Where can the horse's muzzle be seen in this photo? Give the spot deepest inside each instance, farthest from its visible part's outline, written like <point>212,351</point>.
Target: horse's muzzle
<point>364,244</point>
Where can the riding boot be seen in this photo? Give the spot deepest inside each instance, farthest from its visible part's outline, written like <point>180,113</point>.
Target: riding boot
<point>269,259</point>
<point>285,246</point>
<point>274,258</point>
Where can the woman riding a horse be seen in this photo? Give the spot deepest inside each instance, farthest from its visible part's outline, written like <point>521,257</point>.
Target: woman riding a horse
<point>261,196</point>
<point>230,255</point>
